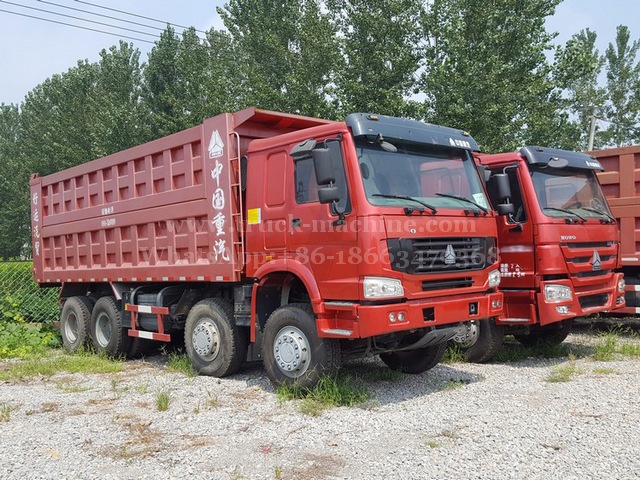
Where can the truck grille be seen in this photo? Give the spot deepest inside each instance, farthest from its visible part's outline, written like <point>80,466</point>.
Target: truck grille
<point>448,254</point>
<point>590,260</point>
<point>591,301</point>
<point>451,283</point>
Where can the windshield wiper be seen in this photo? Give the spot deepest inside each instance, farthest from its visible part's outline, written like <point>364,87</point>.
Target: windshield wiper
<point>464,199</point>
<point>405,197</point>
<point>601,212</point>
<point>568,212</point>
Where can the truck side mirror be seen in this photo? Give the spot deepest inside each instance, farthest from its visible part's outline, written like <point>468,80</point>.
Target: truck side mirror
<point>502,185</point>
<point>323,165</point>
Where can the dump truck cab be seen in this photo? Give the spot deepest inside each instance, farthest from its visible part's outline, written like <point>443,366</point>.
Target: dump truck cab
<point>384,223</point>
<point>559,243</point>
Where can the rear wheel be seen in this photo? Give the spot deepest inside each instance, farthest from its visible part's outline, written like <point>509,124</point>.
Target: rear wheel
<point>547,336</point>
<point>75,323</point>
<point>214,343</point>
<point>481,340</point>
<point>415,361</point>
<point>108,333</point>
<point>292,351</point>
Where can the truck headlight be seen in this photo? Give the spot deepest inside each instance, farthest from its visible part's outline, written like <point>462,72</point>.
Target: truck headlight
<point>494,278</point>
<point>557,293</point>
<point>381,287</point>
<point>621,285</point>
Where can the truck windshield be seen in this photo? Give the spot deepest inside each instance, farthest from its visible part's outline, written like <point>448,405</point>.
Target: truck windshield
<point>563,193</point>
<point>439,177</point>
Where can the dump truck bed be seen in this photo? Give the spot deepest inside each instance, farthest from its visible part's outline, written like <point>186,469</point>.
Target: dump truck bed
<point>621,185</point>
<point>168,210</point>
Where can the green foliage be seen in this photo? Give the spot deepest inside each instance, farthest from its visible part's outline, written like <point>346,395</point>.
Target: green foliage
<point>179,362</point>
<point>332,391</point>
<point>24,340</point>
<point>564,373</point>
<point>380,43</point>
<point>623,84</point>
<point>486,70</point>
<point>20,297</point>
<point>163,400</point>
<point>59,361</point>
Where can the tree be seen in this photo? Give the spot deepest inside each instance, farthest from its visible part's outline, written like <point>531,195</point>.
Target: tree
<point>163,90</point>
<point>576,70</point>
<point>119,118</point>
<point>380,42</point>
<point>623,86</point>
<point>486,70</point>
<point>287,54</point>
<point>13,186</point>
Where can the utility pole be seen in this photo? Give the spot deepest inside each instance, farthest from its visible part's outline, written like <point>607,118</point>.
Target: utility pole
<point>592,130</point>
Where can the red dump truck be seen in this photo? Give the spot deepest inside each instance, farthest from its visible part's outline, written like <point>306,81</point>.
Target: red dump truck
<point>559,245</point>
<point>266,236</point>
<point>621,185</point>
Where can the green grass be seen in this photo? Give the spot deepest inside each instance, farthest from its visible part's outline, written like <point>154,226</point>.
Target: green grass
<point>515,352</point>
<point>564,373</point>
<point>453,354</point>
<point>454,384</point>
<point>432,444</point>
<point>163,400</point>
<point>332,391</point>
<point>5,412</point>
<point>605,371</point>
<point>606,349</point>
<point>180,363</point>
<point>58,361</point>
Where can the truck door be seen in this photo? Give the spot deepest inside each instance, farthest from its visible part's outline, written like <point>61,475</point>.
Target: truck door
<point>318,235</point>
<point>516,247</point>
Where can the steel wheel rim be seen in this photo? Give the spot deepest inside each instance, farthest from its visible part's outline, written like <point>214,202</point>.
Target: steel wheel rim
<point>103,329</point>
<point>71,327</point>
<point>470,336</point>
<point>292,352</point>
<point>206,339</point>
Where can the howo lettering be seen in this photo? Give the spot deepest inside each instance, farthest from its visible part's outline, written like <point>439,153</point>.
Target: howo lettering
<point>266,236</point>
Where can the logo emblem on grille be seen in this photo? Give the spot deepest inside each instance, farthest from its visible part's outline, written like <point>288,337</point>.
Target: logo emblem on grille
<point>449,255</point>
<point>595,261</point>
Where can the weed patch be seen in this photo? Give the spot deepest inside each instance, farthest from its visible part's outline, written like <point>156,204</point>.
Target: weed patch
<point>331,391</point>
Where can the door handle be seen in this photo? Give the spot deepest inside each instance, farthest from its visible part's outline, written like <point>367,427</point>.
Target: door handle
<point>295,222</point>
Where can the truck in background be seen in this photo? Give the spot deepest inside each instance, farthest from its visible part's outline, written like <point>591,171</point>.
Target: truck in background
<point>266,236</point>
<point>621,185</point>
<point>559,246</point>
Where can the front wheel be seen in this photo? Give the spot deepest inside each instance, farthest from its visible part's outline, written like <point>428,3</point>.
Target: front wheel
<point>214,343</point>
<point>415,361</point>
<point>293,353</point>
<point>547,336</point>
<point>481,340</point>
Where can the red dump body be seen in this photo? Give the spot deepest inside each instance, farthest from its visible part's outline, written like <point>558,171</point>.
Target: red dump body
<point>621,185</point>
<point>168,210</point>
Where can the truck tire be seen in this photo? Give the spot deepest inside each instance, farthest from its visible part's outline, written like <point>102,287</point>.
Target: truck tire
<point>108,333</point>
<point>482,340</point>
<point>415,361</point>
<point>75,323</point>
<point>292,351</point>
<point>214,343</point>
<point>547,336</point>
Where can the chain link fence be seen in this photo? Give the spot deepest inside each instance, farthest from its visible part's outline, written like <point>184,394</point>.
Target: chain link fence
<point>22,299</point>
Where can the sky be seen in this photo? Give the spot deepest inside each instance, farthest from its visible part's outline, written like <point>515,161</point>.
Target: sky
<point>31,50</point>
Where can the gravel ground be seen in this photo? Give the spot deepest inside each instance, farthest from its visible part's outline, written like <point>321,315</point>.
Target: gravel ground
<point>501,420</point>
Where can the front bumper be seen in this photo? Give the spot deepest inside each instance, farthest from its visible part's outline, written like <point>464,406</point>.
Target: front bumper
<point>585,301</point>
<point>354,320</point>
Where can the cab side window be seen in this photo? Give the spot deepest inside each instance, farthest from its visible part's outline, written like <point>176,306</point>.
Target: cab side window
<point>520,214</point>
<point>306,186</point>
